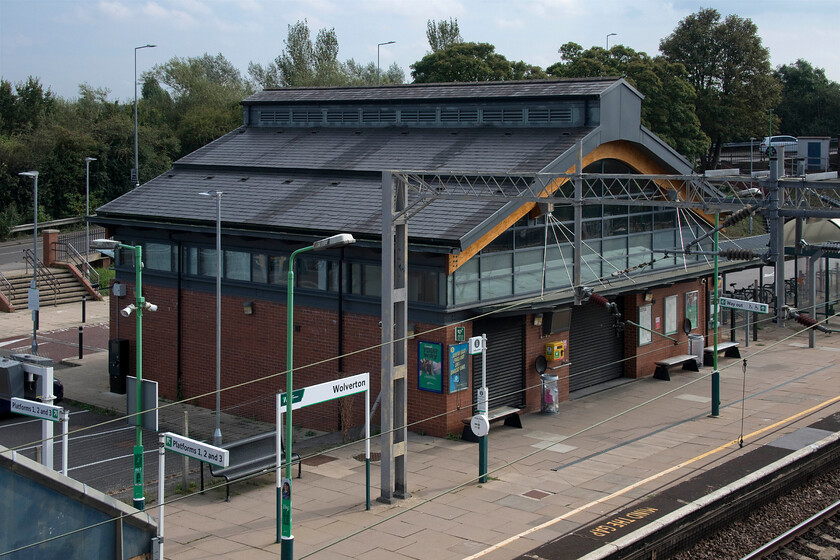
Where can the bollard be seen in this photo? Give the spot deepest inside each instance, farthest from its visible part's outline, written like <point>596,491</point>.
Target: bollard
<point>81,345</point>
<point>84,302</point>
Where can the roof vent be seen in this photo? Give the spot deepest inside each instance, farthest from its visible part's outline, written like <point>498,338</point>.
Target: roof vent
<point>243,179</point>
<point>208,177</point>
<point>287,181</point>
<point>336,183</point>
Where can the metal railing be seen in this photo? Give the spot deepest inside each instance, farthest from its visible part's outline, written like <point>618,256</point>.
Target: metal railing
<point>65,252</point>
<point>7,287</point>
<point>45,278</point>
<point>77,238</point>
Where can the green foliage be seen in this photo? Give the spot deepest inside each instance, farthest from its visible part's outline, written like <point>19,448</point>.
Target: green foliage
<point>730,72</point>
<point>462,62</point>
<point>442,34</point>
<point>810,103</point>
<point>668,107</point>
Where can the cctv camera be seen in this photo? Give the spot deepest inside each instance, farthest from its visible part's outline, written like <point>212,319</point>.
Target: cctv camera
<point>150,306</point>
<point>126,311</point>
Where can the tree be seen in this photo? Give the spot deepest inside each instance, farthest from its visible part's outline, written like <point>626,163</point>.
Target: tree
<point>202,101</point>
<point>442,34</point>
<point>25,107</point>
<point>810,103</point>
<point>730,72</point>
<point>668,106</point>
<point>365,74</point>
<point>462,62</point>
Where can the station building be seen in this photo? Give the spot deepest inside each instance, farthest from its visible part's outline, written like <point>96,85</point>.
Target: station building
<point>308,163</point>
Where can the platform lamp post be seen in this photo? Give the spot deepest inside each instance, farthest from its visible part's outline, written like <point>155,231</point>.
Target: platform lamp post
<point>139,305</point>
<point>136,164</point>
<point>284,501</point>
<point>217,435</point>
<point>34,304</point>
<point>87,213</point>
<point>377,57</point>
<point>608,39</point>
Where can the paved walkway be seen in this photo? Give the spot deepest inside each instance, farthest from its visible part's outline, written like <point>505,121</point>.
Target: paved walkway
<point>598,455</point>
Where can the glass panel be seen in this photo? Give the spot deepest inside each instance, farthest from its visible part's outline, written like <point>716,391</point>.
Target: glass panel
<point>316,274</point>
<point>591,229</point>
<point>466,282</point>
<point>564,213</point>
<point>639,249</point>
<point>615,210</point>
<point>496,275</point>
<point>640,223</point>
<point>590,269</point>
<point>530,237</point>
<point>558,270</point>
<point>238,265</point>
<point>158,256</point>
<point>372,280</point>
<point>259,268</point>
<point>191,260</point>
<point>615,226</point>
<point>423,285</point>
<point>207,262</point>
<point>527,271</point>
<point>664,240</point>
<point>615,253</point>
<point>278,272</point>
<point>502,243</point>
<point>592,211</point>
<point>664,219</point>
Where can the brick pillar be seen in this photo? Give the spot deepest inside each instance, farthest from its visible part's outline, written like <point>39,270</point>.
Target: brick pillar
<point>49,239</point>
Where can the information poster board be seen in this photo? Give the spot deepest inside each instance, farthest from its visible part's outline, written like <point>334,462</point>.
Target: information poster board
<point>671,315</point>
<point>645,336</point>
<point>430,366</point>
<point>459,367</point>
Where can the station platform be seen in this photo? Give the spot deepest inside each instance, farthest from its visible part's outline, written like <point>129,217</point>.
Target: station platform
<point>643,444</point>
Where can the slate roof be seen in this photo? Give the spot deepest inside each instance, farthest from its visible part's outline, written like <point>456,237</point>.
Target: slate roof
<point>522,89</point>
<point>325,180</point>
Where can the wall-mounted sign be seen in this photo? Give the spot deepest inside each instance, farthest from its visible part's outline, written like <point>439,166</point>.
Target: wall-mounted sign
<point>459,367</point>
<point>460,334</point>
<point>430,366</point>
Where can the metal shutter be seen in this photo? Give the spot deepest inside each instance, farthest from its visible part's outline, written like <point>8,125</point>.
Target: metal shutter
<point>505,361</point>
<point>594,349</point>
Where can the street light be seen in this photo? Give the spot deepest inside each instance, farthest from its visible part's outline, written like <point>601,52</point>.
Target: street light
<point>137,308</point>
<point>136,166</point>
<point>87,213</point>
<point>33,300</point>
<point>217,435</point>
<point>284,533</point>
<point>377,57</point>
<point>608,39</point>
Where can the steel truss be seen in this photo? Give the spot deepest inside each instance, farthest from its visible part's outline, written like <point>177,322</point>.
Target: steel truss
<point>406,193</point>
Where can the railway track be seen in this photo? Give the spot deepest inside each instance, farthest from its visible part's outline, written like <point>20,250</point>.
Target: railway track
<point>817,537</point>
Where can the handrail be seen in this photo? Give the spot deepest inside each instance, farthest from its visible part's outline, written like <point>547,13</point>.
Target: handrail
<point>79,261</point>
<point>8,285</point>
<point>44,274</point>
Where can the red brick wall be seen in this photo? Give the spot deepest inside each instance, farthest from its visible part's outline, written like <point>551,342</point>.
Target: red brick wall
<point>535,346</point>
<point>642,358</point>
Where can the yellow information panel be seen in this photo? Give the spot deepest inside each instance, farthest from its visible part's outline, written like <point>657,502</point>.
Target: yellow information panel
<point>555,351</point>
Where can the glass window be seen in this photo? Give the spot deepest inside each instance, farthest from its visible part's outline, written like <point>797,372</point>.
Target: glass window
<point>639,249</point>
<point>237,265</point>
<point>615,226</point>
<point>591,229</point>
<point>278,272</point>
<point>316,274</point>
<point>615,253</point>
<point>207,262</point>
<point>564,213</point>
<point>158,256</point>
<point>530,237</point>
<point>640,223</point>
<point>423,285</point>
<point>664,219</point>
<point>558,269</point>
<point>590,269</point>
<point>259,268</point>
<point>466,282</point>
<point>527,271</point>
<point>503,242</point>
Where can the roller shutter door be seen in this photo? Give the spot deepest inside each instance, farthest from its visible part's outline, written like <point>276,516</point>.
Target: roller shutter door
<point>594,349</point>
<point>505,361</point>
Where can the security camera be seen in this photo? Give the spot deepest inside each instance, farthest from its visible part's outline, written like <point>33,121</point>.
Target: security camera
<point>126,311</point>
<point>149,306</point>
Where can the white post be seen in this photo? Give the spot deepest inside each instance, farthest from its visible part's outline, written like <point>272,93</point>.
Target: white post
<point>65,421</point>
<point>161,481</point>
<point>45,388</point>
<point>279,463</point>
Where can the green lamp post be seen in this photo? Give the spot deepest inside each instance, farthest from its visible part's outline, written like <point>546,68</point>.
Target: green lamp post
<point>284,500</point>
<point>137,308</point>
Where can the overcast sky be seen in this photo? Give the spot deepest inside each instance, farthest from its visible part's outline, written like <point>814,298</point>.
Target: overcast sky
<point>69,42</point>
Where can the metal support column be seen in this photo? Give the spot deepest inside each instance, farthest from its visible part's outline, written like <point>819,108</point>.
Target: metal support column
<point>777,238</point>
<point>578,208</point>
<point>394,341</point>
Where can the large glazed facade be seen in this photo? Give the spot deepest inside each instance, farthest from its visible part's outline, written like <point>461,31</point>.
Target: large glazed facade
<point>308,162</point>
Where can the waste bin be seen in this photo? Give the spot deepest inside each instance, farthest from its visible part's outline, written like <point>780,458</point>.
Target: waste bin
<point>548,404</point>
<point>117,364</point>
<point>696,346</point>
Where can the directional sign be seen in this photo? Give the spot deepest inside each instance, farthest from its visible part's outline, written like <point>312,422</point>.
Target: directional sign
<point>196,450</point>
<point>36,409</point>
<point>476,345</point>
<point>327,391</point>
<point>744,305</point>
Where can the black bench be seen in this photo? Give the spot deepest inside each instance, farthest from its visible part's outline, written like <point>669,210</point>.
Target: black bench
<point>251,456</point>
<point>731,349</point>
<point>688,361</point>
<point>509,413</point>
